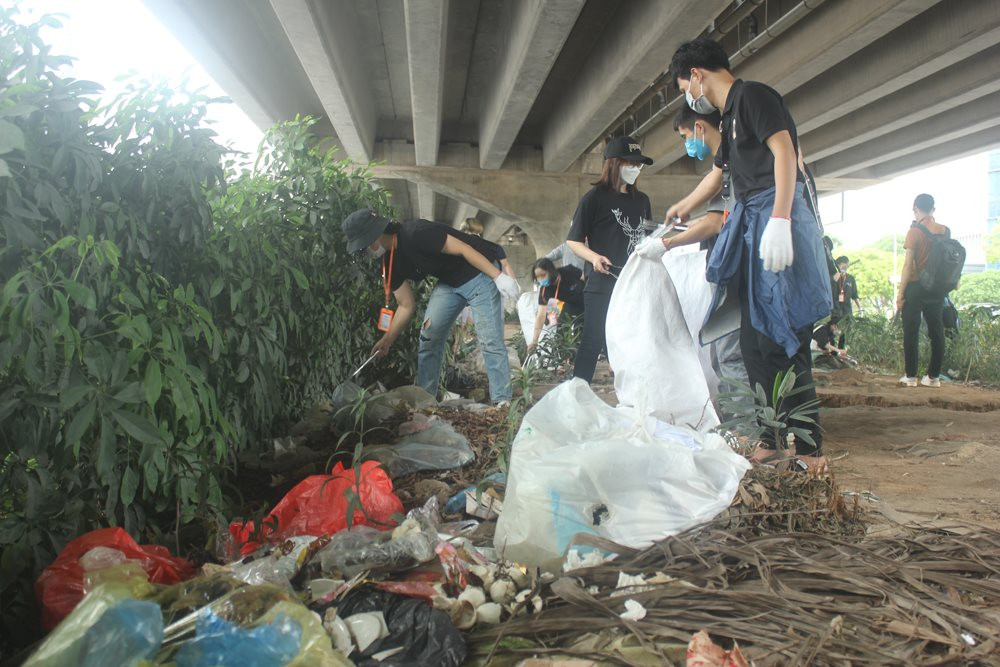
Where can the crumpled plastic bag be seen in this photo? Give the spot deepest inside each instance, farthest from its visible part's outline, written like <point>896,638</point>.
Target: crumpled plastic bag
<point>107,628</point>
<point>219,643</point>
<point>358,549</point>
<point>318,506</point>
<point>652,352</point>
<point>60,587</point>
<point>425,635</point>
<point>432,444</point>
<point>579,465</point>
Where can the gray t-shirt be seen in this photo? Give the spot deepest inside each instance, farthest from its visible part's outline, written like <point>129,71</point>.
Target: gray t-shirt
<point>717,205</point>
<point>562,253</point>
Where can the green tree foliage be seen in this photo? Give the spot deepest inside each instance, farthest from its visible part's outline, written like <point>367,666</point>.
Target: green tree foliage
<point>157,314</point>
<point>978,288</point>
<point>992,247</point>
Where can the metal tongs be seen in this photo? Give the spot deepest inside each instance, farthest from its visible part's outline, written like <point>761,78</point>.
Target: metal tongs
<point>362,366</point>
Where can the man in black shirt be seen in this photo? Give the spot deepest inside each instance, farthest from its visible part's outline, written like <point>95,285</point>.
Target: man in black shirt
<point>845,293</point>
<point>770,247</point>
<point>462,263</point>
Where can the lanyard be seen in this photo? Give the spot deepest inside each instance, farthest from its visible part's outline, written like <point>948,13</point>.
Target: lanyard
<point>387,276</point>
<point>556,296</point>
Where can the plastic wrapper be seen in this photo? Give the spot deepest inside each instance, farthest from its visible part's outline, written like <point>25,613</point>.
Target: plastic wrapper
<point>579,465</point>
<point>363,548</point>
<point>438,446</point>
<point>318,506</point>
<point>188,597</point>
<point>425,635</point>
<point>278,564</point>
<point>60,587</point>
<point>257,614</point>
<point>221,643</point>
<point>107,628</point>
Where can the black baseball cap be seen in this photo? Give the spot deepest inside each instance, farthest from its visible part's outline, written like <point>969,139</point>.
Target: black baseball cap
<point>362,228</point>
<point>626,148</point>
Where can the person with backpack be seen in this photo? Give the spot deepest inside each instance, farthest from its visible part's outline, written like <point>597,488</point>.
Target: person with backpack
<point>931,269</point>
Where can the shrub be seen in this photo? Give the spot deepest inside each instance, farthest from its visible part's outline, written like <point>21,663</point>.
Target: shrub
<point>158,313</point>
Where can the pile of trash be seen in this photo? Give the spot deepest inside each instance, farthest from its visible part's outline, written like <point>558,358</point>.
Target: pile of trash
<point>336,573</point>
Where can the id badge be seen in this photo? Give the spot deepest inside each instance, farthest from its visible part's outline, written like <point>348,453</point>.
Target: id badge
<point>385,319</point>
<point>841,297</point>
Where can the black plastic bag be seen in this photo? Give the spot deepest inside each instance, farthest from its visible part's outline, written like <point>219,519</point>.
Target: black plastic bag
<point>426,634</point>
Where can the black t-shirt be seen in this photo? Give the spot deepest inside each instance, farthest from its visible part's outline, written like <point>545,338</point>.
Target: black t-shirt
<point>419,254</point>
<point>823,336</point>
<point>611,224</point>
<point>752,114</point>
<point>849,288</point>
<point>569,290</point>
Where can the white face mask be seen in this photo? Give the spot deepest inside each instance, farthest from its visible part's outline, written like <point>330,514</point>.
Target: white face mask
<point>630,173</point>
<point>376,253</point>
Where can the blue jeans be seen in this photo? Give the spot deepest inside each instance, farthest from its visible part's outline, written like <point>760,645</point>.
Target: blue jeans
<point>445,304</point>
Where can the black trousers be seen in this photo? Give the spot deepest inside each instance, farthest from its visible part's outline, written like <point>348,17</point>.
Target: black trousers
<point>918,302</point>
<point>764,359</point>
<point>593,338</point>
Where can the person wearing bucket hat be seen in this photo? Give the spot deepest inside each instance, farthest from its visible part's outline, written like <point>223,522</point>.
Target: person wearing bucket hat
<point>463,264</point>
<point>608,224</point>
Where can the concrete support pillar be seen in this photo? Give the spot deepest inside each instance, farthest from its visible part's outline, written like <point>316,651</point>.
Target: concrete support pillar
<point>426,33</point>
<point>324,37</point>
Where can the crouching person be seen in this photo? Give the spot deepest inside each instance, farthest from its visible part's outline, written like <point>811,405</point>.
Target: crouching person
<point>416,249</point>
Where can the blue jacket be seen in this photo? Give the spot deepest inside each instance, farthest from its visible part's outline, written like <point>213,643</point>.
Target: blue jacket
<point>784,302</point>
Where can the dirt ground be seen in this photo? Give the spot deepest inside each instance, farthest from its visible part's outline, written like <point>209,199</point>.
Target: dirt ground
<point>927,453</point>
<point>923,454</point>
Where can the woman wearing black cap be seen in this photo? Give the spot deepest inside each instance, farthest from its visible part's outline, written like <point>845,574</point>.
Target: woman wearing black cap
<point>607,225</point>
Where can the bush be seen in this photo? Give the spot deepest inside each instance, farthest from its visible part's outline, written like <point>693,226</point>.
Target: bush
<point>157,314</point>
<point>973,353</point>
<point>978,288</point>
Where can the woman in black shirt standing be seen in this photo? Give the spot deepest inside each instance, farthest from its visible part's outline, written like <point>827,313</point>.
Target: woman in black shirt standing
<point>607,226</point>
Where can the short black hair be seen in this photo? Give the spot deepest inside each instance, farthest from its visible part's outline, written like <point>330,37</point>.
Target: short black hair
<point>702,52</point>
<point>924,202</point>
<point>842,259</point>
<point>687,116</point>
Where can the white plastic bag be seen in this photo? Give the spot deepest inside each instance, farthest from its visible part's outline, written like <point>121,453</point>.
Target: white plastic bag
<point>687,272</point>
<point>580,466</point>
<point>527,311</point>
<point>650,347</point>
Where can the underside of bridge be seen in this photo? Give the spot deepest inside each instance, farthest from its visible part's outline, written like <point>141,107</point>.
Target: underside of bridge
<point>499,109</point>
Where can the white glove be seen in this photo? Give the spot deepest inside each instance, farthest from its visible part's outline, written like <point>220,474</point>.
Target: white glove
<point>776,244</point>
<point>508,286</point>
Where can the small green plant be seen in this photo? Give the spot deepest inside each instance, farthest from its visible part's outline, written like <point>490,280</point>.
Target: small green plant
<point>756,415</point>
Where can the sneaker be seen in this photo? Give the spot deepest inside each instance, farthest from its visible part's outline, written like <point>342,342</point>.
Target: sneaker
<point>908,381</point>
<point>928,381</point>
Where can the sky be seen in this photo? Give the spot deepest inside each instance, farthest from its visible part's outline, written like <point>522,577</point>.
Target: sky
<point>111,37</point>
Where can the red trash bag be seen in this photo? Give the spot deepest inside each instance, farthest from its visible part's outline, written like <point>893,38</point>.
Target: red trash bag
<point>59,588</point>
<point>318,506</point>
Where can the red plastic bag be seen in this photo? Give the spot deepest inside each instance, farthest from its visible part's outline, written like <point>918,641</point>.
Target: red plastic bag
<point>318,506</point>
<point>60,586</point>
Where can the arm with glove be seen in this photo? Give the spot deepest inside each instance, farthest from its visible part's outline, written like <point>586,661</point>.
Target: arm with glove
<point>776,242</point>
<point>508,286</point>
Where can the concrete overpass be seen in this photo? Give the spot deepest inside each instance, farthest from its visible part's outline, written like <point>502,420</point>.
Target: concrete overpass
<point>500,108</point>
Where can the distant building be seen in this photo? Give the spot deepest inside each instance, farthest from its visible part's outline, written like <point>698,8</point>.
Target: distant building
<point>993,198</point>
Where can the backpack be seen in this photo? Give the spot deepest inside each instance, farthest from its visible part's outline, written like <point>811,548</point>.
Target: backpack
<point>945,260</point>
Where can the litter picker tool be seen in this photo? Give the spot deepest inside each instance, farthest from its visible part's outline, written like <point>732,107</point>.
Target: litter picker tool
<point>362,366</point>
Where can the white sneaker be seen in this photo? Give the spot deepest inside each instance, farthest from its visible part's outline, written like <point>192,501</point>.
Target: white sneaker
<point>928,381</point>
<point>908,381</point>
